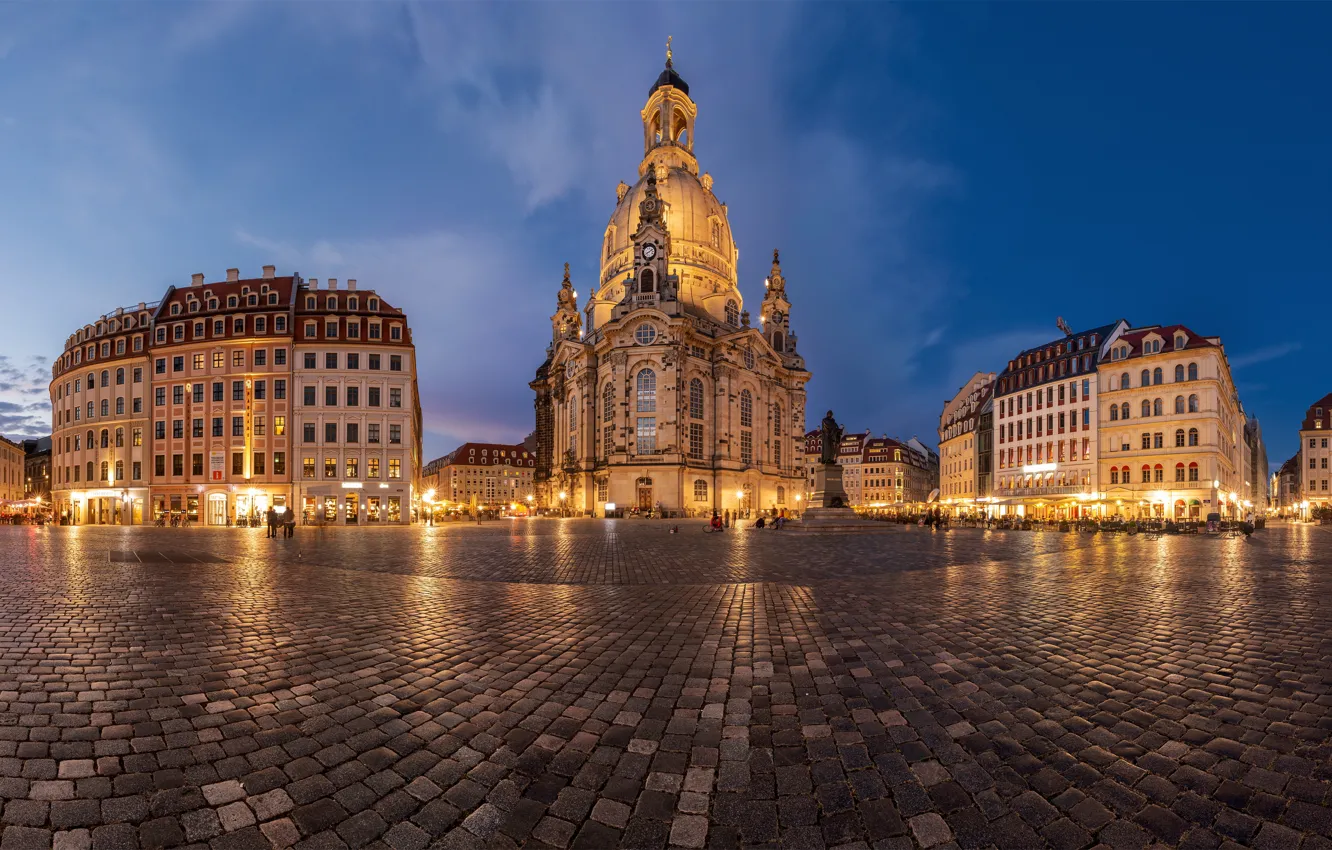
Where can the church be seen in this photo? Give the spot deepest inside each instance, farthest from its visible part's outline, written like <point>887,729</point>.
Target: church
<point>660,393</point>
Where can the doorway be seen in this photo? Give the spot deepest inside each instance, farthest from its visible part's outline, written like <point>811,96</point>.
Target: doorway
<point>217,509</point>
<point>645,494</point>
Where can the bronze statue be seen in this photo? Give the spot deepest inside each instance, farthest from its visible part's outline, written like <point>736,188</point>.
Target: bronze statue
<point>832,439</point>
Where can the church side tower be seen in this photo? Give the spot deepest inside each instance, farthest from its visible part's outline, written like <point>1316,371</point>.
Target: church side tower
<point>668,123</point>
<point>566,323</point>
<point>775,316</point>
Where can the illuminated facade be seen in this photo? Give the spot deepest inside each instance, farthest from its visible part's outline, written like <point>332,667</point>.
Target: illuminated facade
<point>1172,428</point>
<point>961,482</point>
<point>878,472</point>
<point>184,409</point>
<point>1045,427</point>
<point>483,476</point>
<point>669,399</point>
<point>1315,477</point>
<point>358,418</point>
<point>100,422</point>
<point>11,472</point>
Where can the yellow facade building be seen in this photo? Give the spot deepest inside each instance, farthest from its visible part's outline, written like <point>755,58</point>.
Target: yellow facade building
<point>960,480</point>
<point>1315,476</point>
<point>1171,427</point>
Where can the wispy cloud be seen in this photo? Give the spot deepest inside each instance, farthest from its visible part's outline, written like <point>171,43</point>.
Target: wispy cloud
<point>1262,355</point>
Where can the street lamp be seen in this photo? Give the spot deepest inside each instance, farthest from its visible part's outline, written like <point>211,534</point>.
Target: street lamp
<point>563,496</point>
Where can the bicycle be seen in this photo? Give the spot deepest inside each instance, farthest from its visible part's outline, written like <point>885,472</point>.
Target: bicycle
<point>708,529</point>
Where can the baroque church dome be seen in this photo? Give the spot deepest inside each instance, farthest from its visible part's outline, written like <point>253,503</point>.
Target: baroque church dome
<point>702,250</point>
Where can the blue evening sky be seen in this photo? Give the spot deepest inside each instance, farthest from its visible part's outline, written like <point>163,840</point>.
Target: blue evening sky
<point>944,180</point>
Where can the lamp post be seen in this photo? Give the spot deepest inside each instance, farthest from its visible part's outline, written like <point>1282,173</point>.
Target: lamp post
<point>563,497</point>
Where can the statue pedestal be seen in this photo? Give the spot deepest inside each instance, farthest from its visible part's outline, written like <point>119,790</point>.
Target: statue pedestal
<point>828,509</point>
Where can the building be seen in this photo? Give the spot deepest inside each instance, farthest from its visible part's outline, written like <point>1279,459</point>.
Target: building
<point>961,486</point>
<point>357,414</point>
<point>1314,472</point>
<point>100,455</point>
<point>221,373</point>
<point>182,409</point>
<point>37,469</point>
<point>1172,427</point>
<point>1257,476</point>
<point>1286,486</point>
<point>483,477</point>
<point>11,473</point>
<point>1045,425</point>
<point>669,398</point>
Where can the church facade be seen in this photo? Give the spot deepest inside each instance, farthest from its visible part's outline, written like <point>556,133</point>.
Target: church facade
<point>660,393</point>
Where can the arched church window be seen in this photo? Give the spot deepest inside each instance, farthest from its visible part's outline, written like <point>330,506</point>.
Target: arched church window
<point>746,409</point>
<point>647,391</point>
<point>776,420</point>
<point>778,342</point>
<point>646,281</point>
<point>700,490</point>
<point>781,495</point>
<point>608,403</point>
<point>716,235</point>
<point>573,423</point>
<point>732,313</point>
<point>695,399</point>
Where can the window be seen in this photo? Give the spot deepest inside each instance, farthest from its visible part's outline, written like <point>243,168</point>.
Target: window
<point>238,463</point>
<point>395,397</point>
<point>196,463</point>
<point>732,313</point>
<point>746,409</point>
<point>178,464</point>
<point>372,433</point>
<point>261,389</point>
<point>1193,371</point>
<point>279,324</point>
<point>217,390</point>
<point>373,361</point>
<point>353,432</point>
<point>137,406</point>
<point>330,396</point>
<point>353,361</point>
<point>1179,372</point>
<point>373,398</point>
<point>646,433</point>
<point>309,360</point>
<point>1158,440</point>
<point>1159,474</point>
<point>309,394</point>
<point>645,334</point>
<point>372,468</point>
<point>1157,376</point>
<point>695,399</point>
<point>238,357</point>
<point>219,327</point>
<point>1114,475</point>
<point>280,388</point>
<point>308,432</point>
<point>136,437</point>
<point>1193,472</point>
<point>330,467</point>
<point>120,376</point>
<point>353,396</point>
<point>238,426</point>
<point>197,392</point>
<point>1179,438</point>
<point>177,428</point>
<point>331,360</point>
<point>1146,441</point>
<point>1193,404</point>
<point>260,426</point>
<point>279,426</point>
<point>238,391</point>
<point>159,465</point>
<point>197,361</point>
<point>330,432</point>
<point>1146,474</point>
<point>219,359</point>
<point>395,362</point>
<point>647,392</point>
<point>1157,408</point>
<point>395,434</point>
<point>1193,436</point>
<point>696,440</point>
<point>260,326</point>
<point>1179,472</point>
<point>1179,404</point>
<point>217,426</point>
<point>178,394</point>
<point>1124,410</point>
<point>747,447</point>
<point>159,430</point>
<point>196,427</point>
<point>331,330</point>
<point>353,468</point>
<point>136,469</point>
<point>1146,408</point>
<point>700,490</point>
<point>138,374</point>
<point>261,357</point>
<point>395,332</point>
<point>395,468</point>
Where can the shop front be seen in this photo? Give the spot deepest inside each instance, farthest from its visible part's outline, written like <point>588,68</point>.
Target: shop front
<point>356,503</point>
<point>104,506</point>
<point>215,506</point>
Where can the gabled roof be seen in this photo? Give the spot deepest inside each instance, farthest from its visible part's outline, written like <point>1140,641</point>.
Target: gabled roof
<point>1135,336</point>
<point>1312,419</point>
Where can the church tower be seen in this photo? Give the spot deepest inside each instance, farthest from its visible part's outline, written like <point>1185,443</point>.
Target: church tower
<point>566,323</point>
<point>668,122</point>
<point>775,316</point>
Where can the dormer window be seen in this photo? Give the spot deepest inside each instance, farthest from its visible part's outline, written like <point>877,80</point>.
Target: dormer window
<point>253,301</point>
<point>272,298</point>
<point>231,301</point>
<point>351,302</point>
<point>309,302</point>
<point>212,303</point>
<point>175,309</point>
<point>1180,341</point>
<point>332,302</point>
<point>372,304</point>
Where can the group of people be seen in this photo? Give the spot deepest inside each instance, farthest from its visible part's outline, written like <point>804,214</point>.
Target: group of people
<point>284,522</point>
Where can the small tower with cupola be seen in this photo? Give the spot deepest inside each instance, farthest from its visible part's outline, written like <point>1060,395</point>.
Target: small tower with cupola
<point>775,315</point>
<point>566,323</point>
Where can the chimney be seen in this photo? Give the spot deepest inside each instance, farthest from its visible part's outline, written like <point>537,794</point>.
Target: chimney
<point>196,279</point>
<point>332,283</point>
<point>351,284</point>
<point>269,272</point>
<point>233,274</point>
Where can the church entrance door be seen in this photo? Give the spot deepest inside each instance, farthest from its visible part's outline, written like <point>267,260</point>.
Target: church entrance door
<point>645,494</point>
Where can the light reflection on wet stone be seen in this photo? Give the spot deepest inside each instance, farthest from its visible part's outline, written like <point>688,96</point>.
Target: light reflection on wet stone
<point>600,684</point>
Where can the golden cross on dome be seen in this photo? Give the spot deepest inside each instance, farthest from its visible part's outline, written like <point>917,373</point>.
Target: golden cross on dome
<point>668,51</point>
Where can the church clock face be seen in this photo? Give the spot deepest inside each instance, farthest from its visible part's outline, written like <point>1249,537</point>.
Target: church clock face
<point>777,316</point>
<point>649,252</point>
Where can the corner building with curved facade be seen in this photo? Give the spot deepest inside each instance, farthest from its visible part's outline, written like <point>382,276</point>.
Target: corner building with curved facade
<point>660,393</point>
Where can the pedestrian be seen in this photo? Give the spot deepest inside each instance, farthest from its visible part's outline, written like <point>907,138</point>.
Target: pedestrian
<point>289,526</point>
<point>271,518</point>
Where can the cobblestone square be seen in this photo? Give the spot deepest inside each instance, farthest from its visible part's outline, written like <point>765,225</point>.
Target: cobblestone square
<point>589,684</point>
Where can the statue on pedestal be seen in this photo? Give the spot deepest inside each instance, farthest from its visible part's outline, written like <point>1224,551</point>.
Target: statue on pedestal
<point>831,439</point>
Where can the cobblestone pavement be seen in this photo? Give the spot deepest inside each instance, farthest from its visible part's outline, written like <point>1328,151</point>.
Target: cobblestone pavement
<point>584,684</point>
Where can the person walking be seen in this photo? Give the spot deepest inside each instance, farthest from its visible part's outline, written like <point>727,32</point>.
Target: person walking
<point>289,526</point>
<point>271,518</point>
